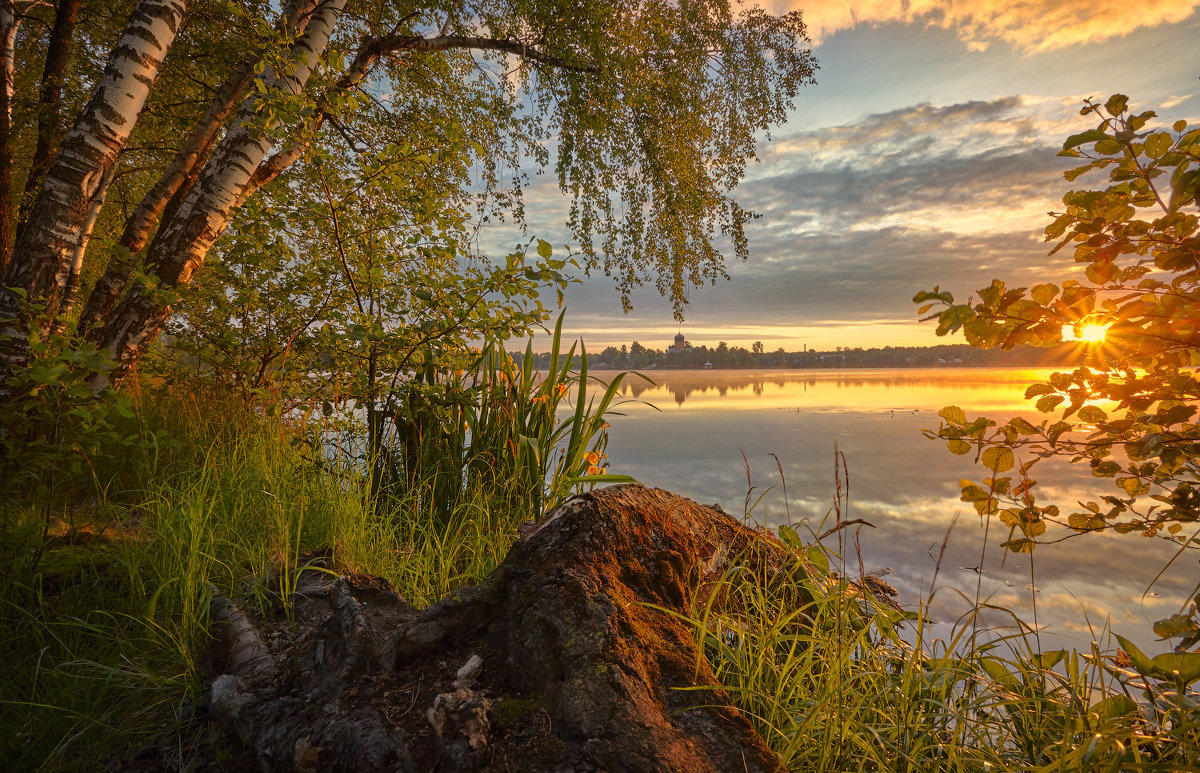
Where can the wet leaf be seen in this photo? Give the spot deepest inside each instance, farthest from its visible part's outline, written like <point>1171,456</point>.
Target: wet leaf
<point>1174,626</point>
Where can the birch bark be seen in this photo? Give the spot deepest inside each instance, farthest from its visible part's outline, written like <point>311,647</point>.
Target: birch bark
<point>179,178</point>
<point>180,246</point>
<point>8,39</point>
<point>45,246</point>
<point>49,108</point>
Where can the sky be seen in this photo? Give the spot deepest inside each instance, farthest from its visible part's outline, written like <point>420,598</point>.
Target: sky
<point>925,155</point>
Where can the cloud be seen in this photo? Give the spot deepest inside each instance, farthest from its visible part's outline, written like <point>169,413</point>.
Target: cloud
<point>855,219</point>
<point>970,169</point>
<point>1175,100</point>
<point>1030,26</point>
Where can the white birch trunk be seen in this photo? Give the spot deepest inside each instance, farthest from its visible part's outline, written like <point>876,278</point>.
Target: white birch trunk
<point>9,22</point>
<point>181,245</point>
<point>8,62</point>
<point>42,255</point>
<point>182,170</point>
<point>85,236</point>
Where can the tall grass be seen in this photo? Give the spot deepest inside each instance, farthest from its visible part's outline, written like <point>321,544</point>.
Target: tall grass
<point>103,618</point>
<point>104,603</point>
<point>836,677</point>
<point>495,427</point>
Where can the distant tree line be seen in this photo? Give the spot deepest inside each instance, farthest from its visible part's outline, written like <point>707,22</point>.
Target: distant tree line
<point>723,356</point>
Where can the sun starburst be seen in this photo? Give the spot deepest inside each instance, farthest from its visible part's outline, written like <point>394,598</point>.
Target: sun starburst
<point>1088,332</point>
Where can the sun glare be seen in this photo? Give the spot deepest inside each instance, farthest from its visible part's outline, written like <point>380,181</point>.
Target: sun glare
<point>1088,333</point>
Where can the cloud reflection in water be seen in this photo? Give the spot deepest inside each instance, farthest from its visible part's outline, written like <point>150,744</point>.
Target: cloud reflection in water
<point>904,484</point>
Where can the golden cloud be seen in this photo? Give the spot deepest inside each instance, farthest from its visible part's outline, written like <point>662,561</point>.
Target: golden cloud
<point>1029,26</point>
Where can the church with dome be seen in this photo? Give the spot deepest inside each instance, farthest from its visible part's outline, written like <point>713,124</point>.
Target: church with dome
<point>681,345</point>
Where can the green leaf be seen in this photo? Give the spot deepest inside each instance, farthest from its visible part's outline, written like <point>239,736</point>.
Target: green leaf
<point>1085,522</point>
<point>790,537</point>
<point>958,446</point>
<point>1043,293</point>
<point>1049,403</point>
<point>998,673</point>
<point>1092,415</point>
<point>953,414</point>
<point>817,557</point>
<point>1083,138</point>
<point>1141,663</point>
<point>544,249</point>
<point>1112,707</point>
<point>1175,626</point>
<point>1022,426</point>
<point>1158,144</point>
<point>1047,660</point>
<point>998,458</point>
<point>1117,104</point>
<point>954,318</point>
<point>1183,667</point>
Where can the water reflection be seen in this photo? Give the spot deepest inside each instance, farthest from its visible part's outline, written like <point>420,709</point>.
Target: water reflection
<point>982,389</point>
<point>902,483</point>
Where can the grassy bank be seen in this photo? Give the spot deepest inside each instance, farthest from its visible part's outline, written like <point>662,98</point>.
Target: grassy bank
<point>103,619</point>
<point>825,674</point>
<point>103,604</point>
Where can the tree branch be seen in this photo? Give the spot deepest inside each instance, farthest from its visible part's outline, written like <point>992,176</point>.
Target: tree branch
<point>369,52</point>
<point>393,43</point>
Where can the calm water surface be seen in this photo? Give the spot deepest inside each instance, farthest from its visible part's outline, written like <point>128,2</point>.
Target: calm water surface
<point>691,442</point>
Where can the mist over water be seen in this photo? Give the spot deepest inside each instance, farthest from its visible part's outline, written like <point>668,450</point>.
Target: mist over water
<point>904,484</point>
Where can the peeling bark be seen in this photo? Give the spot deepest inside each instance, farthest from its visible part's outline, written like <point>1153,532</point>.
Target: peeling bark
<point>180,246</point>
<point>42,254</point>
<point>237,170</point>
<point>8,38</point>
<point>569,656</point>
<point>196,196</point>
<point>164,198</point>
<point>85,236</point>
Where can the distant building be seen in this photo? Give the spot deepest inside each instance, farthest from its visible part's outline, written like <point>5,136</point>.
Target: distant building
<point>681,345</point>
<point>708,365</point>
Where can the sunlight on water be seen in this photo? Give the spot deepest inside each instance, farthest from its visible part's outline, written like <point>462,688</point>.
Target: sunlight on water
<point>901,482</point>
<point>847,390</point>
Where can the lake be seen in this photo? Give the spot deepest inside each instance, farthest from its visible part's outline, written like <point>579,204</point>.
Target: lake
<point>905,485</point>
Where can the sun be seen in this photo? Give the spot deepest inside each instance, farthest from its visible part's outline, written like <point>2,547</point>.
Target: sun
<point>1088,333</point>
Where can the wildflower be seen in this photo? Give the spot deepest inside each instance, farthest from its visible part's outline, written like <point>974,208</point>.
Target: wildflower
<point>592,458</point>
<point>538,399</point>
<point>560,389</point>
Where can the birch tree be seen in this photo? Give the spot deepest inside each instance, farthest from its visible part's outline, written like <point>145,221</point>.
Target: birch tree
<point>653,110</point>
